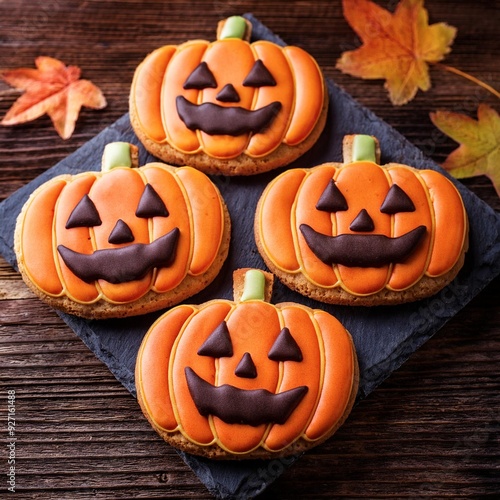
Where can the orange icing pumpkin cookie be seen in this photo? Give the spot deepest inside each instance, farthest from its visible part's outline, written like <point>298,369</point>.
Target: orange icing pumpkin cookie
<point>360,233</point>
<point>245,378</point>
<point>229,106</point>
<point>123,241</point>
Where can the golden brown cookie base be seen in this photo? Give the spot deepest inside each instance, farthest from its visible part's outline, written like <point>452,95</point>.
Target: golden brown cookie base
<point>242,164</point>
<point>213,451</point>
<point>151,301</point>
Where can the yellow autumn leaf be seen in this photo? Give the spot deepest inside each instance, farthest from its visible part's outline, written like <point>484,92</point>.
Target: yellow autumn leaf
<point>479,150</point>
<point>397,47</point>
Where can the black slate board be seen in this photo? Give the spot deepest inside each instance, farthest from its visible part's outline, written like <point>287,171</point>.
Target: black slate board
<point>384,336</point>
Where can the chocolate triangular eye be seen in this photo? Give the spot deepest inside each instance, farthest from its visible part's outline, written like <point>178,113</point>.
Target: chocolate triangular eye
<point>200,78</point>
<point>259,76</point>
<point>362,222</point>
<point>285,348</point>
<point>331,200</point>
<point>121,233</point>
<point>397,201</point>
<point>150,204</point>
<point>218,343</point>
<point>246,367</point>
<point>228,94</point>
<point>84,214</point>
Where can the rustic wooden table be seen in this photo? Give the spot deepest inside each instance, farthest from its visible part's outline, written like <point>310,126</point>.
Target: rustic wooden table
<point>431,430</point>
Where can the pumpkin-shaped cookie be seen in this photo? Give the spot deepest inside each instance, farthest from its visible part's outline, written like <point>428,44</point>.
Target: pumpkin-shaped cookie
<point>360,233</point>
<point>122,241</point>
<point>228,107</point>
<point>246,378</point>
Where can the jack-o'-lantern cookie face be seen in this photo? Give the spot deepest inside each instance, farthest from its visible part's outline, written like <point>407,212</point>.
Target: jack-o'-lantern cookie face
<point>229,106</point>
<point>125,260</point>
<point>122,241</point>
<point>215,117</point>
<point>246,379</point>
<point>233,404</point>
<point>362,246</point>
<point>360,233</point>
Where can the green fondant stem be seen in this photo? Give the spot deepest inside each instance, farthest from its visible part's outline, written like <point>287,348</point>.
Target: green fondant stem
<point>234,27</point>
<point>116,154</point>
<point>254,285</point>
<point>363,148</point>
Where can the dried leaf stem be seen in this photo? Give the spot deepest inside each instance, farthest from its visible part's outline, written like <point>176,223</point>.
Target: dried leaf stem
<point>471,78</point>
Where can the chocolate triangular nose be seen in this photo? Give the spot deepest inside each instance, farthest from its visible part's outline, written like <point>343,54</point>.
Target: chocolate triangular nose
<point>362,223</point>
<point>246,367</point>
<point>228,94</point>
<point>121,233</point>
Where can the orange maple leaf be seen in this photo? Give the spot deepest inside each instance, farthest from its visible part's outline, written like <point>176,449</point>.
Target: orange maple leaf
<point>396,47</point>
<point>479,150</point>
<point>52,88</point>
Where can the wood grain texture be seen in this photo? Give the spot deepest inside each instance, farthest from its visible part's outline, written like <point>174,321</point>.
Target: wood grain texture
<point>430,431</point>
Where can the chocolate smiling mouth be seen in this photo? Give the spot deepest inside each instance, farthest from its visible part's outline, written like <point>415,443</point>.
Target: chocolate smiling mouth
<point>121,265</point>
<point>362,250</point>
<point>220,120</point>
<point>239,406</point>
